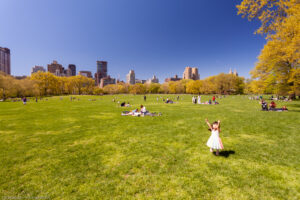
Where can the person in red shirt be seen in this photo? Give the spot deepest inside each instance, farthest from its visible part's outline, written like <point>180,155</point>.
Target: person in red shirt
<point>214,98</point>
<point>272,105</point>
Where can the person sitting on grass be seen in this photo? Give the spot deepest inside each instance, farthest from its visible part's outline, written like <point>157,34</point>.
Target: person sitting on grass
<point>214,142</point>
<point>143,109</point>
<point>264,105</point>
<point>24,100</point>
<point>122,104</point>
<point>272,105</point>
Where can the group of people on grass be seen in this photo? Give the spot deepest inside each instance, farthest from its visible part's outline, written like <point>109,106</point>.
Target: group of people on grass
<point>197,100</point>
<point>271,106</point>
<point>272,98</point>
<point>139,112</point>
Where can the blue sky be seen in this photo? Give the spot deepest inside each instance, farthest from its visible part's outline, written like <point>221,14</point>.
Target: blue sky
<point>158,37</point>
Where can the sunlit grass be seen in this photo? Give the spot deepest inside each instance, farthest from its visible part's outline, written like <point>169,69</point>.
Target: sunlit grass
<point>58,149</point>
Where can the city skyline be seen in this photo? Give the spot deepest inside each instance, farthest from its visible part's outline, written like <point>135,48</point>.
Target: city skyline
<point>101,76</point>
<point>129,36</point>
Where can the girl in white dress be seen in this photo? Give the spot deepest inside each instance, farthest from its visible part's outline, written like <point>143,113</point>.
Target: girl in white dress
<point>214,141</point>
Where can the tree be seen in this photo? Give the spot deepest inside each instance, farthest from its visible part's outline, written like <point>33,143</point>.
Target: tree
<point>46,82</point>
<point>164,88</point>
<point>280,57</point>
<point>153,88</point>
<point>176,87</point>
<point>194,87</point>
<point>137,88</point>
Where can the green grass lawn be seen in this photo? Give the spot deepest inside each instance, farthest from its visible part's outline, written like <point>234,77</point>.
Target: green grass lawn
<point>58,149</point>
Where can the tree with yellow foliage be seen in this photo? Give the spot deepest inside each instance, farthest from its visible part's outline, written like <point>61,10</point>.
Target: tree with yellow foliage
<point>280,57</point>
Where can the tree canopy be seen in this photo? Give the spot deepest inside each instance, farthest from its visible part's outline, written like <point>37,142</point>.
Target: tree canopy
<point>278,64</point>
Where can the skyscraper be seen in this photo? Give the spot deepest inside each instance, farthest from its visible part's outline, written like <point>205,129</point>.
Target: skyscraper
<point>130,78</point>
<point>37,69</point>
<point>195,74</point>
<point>191,73</point>
<point>55,68</point>
<point>101,71</point>
<point>187,74</point>
<point>72,68</point>
<point>5,60</point>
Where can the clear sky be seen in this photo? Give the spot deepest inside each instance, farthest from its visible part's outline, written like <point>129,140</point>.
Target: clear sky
<point>158,37</point>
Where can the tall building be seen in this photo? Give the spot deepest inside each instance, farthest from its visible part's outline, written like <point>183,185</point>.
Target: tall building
<point>5,60</point>
<point>187,74</point>
<point>154,79</point>
<point>191,73</point>
<point>101,71</point>
<point>130,78</point>
<point>55,68</point>
<point>72,68</point>
<point>107,81</point>
<point>175,78</point>
<point>36,69</point>
<point>67,72</point>
<point>233,73</point>
<point>85,73</point>
<point>195,74</point>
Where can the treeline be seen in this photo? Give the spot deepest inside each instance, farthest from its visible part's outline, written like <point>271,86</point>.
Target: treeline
<point>44,84</point>
<point>47,84</point>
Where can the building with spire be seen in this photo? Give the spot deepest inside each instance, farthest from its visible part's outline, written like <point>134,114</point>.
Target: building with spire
<point>154,79</point>
<point>234,72</point>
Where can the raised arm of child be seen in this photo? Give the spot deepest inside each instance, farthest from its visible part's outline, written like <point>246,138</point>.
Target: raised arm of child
<point>219,125</point>
<point>209,125</point>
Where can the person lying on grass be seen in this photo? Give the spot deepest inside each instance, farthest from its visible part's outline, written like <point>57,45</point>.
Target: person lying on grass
<point>214,142</point>
<point>136,113</point>
<point>123,104</point>
<point>169,101</point>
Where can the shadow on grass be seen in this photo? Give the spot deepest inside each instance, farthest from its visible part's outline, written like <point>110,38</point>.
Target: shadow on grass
<point>225,154</point>
<point>294,111</point>
<point>294,105</point>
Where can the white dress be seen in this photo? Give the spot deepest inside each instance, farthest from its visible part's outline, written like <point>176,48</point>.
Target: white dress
<point>214,140</point>
<point>199,99</point>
